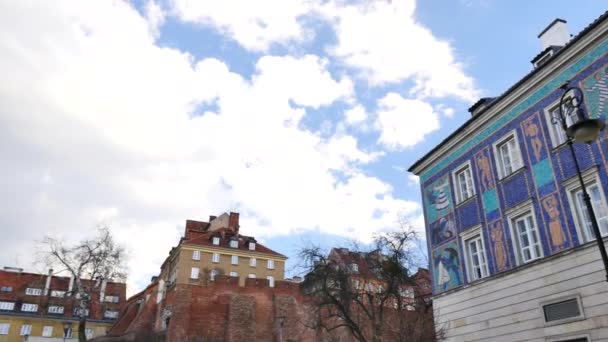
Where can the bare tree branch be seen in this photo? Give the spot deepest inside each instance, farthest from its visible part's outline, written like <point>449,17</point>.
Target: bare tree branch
<point>370,295</point>
<point>96,259</point>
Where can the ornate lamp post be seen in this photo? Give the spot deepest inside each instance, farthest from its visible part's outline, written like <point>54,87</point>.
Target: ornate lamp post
<point>581,129</point>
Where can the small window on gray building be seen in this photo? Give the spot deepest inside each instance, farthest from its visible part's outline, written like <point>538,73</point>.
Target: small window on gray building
<point>563,310</point>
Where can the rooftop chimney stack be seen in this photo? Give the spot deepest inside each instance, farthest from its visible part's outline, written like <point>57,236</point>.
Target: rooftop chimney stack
<point>47,285</point>
<point>552,39</point>
<point>233,222</point>
<point>556,34</point>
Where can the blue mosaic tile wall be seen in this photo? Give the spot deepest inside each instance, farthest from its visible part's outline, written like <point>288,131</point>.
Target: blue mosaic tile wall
<point>539,182</point>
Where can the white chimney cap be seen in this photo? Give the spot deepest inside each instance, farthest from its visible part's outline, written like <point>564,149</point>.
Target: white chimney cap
<point>556,34</point>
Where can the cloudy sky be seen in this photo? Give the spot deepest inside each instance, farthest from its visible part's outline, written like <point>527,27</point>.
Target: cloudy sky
<point>300,115</point>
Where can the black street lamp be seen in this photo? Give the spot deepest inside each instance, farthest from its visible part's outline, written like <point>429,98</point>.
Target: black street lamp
<point>581,129</point>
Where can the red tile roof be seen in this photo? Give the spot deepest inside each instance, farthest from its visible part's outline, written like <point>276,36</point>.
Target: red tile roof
<point>227,234</point>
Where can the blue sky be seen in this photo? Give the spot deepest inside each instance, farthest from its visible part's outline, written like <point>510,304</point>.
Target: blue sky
<point>301,115</point>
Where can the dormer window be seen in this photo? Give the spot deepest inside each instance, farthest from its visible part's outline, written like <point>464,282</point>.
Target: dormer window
<point>251,246</point>
<point>216,241</point>
<point>234,243</point>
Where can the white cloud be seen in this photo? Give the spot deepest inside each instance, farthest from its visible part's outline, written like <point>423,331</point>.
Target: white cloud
<point>404,122</point>
<point>253,24</point>
<point>99,123</point>
<point>355,115</point>
<point>386,44</point>
<point>413,180</point>
<point>156,17</point>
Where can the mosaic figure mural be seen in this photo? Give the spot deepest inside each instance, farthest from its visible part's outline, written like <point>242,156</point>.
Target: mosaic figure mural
<point>484,169</point>
<point>447,271</point>
<point>437,199</point>
<point>443,229</point>
<point>499,249</point>
<point>558,235</point>
<point>596,92</point>
<point>532,130</point>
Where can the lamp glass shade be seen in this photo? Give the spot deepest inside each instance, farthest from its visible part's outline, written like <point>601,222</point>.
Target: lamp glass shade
<point>586,131</point>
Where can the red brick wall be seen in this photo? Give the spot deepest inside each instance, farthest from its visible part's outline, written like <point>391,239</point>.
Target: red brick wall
<point>224,311</point>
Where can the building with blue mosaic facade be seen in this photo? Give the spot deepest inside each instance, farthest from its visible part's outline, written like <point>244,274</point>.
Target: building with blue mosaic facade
<point>511,248</point>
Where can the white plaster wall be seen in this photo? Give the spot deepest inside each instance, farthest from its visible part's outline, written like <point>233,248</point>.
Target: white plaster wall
<point>508,308</point>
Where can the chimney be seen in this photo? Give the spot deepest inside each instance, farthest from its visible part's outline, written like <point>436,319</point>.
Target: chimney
<point>233,222</point>
<point>552,39</point>
<point>47,286</point>
<point>102,290</point>
<point>71,285</point>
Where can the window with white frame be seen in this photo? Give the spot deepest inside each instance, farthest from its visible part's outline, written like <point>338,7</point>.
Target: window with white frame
<point>57,293</point>
<point>270,281</point>
<point>213,274</point>
<point>556,132</point>
<point>476,261</point>
<point>234,260</point>
<point>55,309</point>
<point>216,240</point>
<point>4,328</point>
<point>27,307</point>
<point>252,262</point>
<point>6,289</point>
<point>270,264</point>
<point>251,275</point>
<point>89,333</point>
<point>26,329</point>
<point>112,299</point>
<point>77,312</point>
<point>33,291</point>
<point>508,156</point>
<point>196,255</point>
<point>216,257</point>
<point>234,243</point>
<point>194,272</point>
<point>562,310</point>
<point>354,267</point>
<point>527,241</point>
<point>598,203</point>
<point>234,274</point>
<point>7,306</point>
<point>47,331</point>
<point>251,246</point>
<point>463,180</point>
<point>110,314</point>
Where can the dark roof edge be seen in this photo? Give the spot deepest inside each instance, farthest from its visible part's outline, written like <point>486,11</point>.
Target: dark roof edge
<point>481,101</point>
<point>576,38</point>
<point>542,54</point>
<point>557,20</point>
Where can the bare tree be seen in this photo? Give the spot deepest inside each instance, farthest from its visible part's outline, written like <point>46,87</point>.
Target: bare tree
<point>94,259</point>
<point>373,295</point>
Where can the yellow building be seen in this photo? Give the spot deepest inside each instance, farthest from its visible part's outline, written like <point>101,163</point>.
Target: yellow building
<point>217,248</point>
<point>33,307</point>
